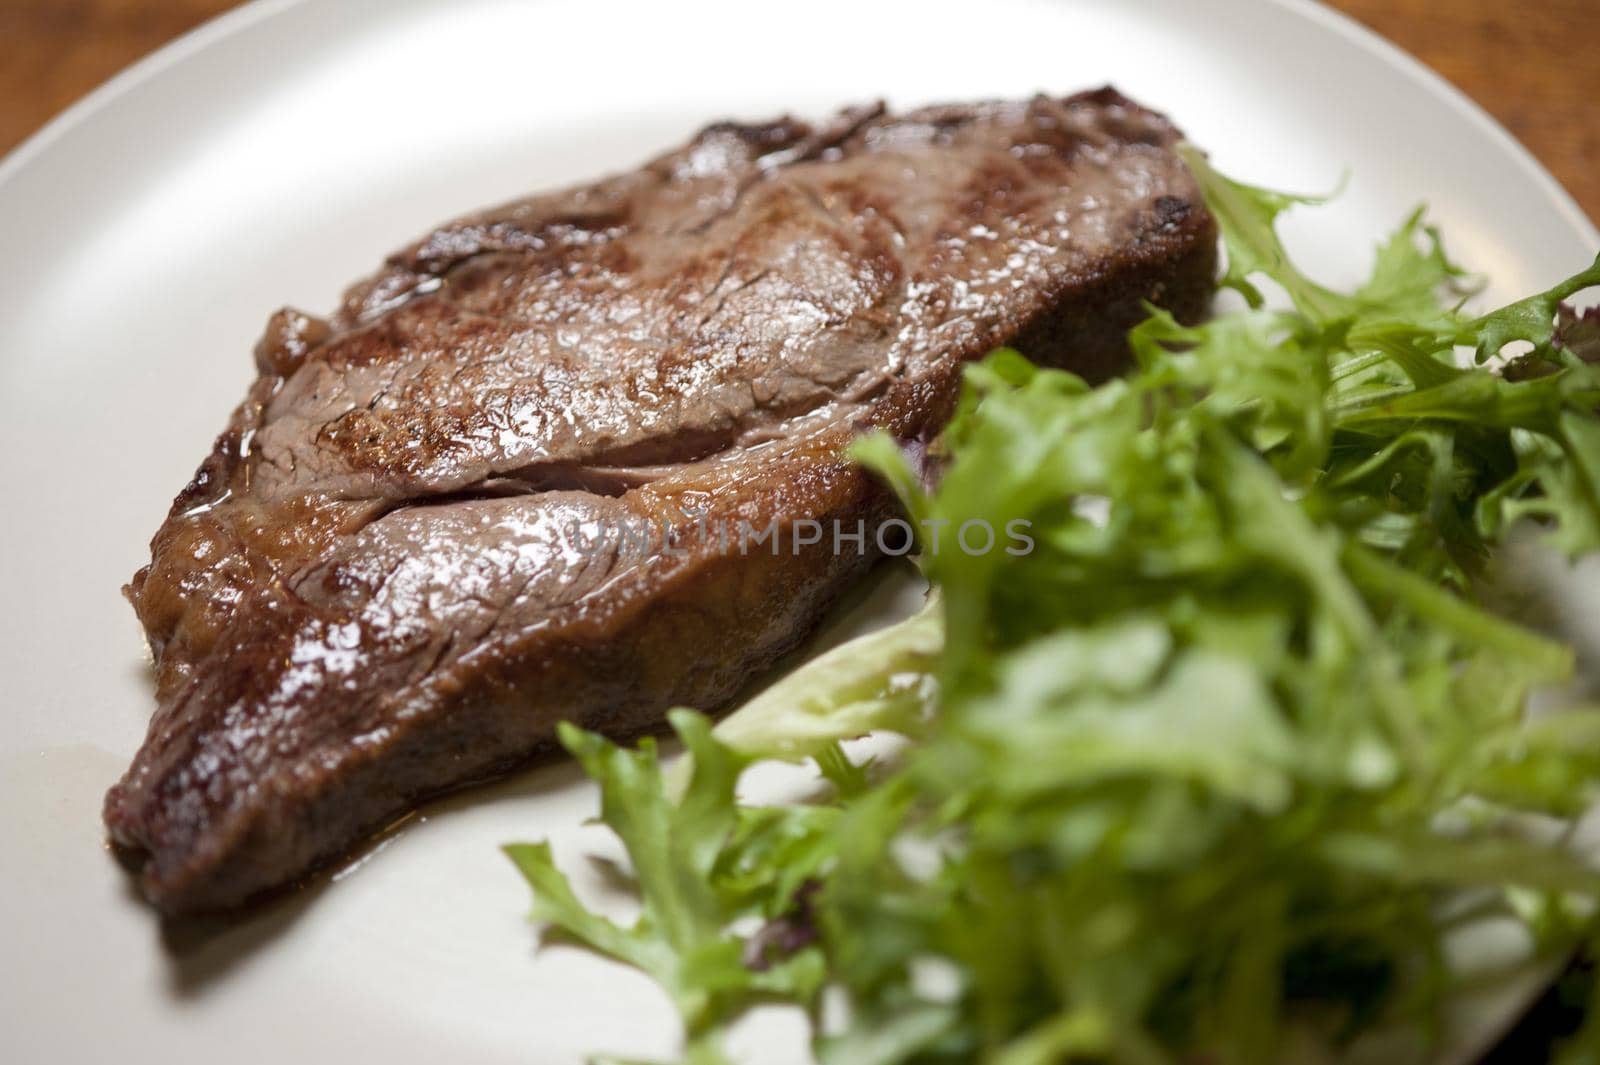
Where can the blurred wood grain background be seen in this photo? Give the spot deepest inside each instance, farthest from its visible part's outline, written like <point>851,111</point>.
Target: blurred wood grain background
<point>1534,65</point>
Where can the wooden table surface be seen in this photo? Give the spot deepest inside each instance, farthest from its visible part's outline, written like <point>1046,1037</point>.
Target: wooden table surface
<point>1534,65</point>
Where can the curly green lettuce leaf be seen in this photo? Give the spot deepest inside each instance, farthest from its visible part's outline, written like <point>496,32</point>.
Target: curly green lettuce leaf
<point>1200,772</point>
<point>692,857</point>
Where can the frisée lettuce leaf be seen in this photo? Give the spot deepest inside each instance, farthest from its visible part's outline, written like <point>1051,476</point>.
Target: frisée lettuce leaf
<point>1220,763</point>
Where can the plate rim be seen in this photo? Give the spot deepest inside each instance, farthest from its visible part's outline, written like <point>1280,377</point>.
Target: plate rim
<point>240,19</point>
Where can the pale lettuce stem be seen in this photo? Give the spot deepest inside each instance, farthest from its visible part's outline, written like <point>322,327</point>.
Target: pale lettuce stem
<point>1359,364</point>
<point>1383,579</point>
<point>880,681</point>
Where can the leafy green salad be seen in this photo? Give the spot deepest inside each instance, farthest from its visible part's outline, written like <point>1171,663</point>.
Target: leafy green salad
<point>1223,761</point>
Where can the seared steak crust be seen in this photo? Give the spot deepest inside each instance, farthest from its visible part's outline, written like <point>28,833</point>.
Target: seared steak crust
<point>382,582</point>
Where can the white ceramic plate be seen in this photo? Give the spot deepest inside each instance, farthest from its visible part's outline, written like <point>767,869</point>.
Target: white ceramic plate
<point>277,154</point>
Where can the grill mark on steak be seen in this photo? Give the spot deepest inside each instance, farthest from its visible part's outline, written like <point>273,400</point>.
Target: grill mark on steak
<point>375,588</point>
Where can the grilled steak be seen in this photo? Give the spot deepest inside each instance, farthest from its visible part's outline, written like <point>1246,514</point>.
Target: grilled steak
<point>401,563</point>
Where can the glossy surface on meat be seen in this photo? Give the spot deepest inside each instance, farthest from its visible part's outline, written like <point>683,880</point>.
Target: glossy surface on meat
<point>383,584</point>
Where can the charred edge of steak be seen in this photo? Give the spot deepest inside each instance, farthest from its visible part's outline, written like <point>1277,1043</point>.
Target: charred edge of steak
<point>399,782</point>
<point>620,657</point>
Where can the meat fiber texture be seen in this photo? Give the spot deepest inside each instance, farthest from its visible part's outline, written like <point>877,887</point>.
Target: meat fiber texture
<point>476,500</point>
